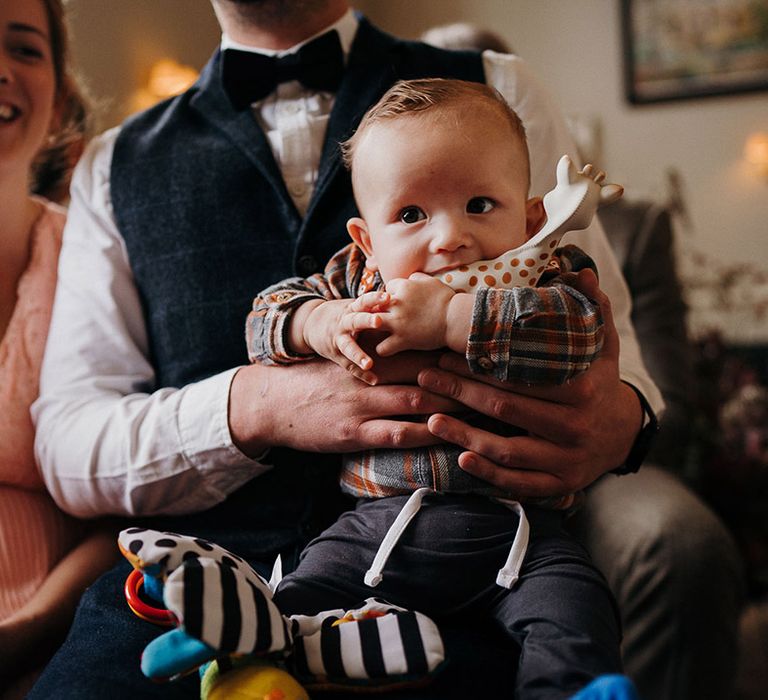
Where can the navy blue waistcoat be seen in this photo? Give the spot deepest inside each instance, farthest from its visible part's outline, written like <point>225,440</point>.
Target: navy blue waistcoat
<point>208,222</point>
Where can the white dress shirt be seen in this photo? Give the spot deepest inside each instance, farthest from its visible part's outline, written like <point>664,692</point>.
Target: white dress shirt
<point>108,440</point>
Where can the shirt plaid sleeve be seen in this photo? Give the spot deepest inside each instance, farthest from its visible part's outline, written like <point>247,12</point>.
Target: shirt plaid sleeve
<point>535,335</point>
<point>267,324</point>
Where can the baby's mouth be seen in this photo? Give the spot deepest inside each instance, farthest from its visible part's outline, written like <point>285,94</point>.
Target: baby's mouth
<point>8,112</point>
<point>447,268</point>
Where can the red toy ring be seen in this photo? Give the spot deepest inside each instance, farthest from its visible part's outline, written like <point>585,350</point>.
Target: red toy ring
<point>158,616</point>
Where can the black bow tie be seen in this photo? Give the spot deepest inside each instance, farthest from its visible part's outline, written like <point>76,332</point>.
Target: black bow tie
<point>248,77</point>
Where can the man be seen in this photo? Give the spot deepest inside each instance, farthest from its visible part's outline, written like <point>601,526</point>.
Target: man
<point>177,219</point>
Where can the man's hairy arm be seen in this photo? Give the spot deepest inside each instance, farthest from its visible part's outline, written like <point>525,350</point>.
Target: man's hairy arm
<point>317,406</point>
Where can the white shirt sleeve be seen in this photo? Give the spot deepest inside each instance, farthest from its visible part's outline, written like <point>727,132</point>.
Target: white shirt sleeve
<point>548,140</point>
<point>108,441</point>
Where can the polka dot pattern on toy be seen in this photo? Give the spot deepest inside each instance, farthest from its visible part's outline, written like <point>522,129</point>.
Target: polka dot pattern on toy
<point>515,268</point>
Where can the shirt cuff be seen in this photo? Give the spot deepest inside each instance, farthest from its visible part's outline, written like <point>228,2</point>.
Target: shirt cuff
<point>206,441</point>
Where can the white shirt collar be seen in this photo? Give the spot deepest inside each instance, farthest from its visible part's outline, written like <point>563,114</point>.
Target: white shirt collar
<point>346,27</point>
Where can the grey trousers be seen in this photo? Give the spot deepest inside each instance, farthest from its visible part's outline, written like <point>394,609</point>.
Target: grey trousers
<point>560,613</point>
<point>677,578</point>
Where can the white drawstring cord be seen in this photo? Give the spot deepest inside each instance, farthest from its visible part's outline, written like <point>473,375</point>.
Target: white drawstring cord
<point>412,505</point>
<point>510,572</point>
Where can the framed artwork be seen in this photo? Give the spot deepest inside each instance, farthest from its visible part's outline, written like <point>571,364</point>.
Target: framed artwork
<point>678,49</point>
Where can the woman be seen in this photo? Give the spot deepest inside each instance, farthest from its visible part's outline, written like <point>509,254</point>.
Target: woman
<point>46,557</point>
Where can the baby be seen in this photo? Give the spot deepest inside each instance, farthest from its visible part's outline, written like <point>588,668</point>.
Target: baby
<point>450,252</point>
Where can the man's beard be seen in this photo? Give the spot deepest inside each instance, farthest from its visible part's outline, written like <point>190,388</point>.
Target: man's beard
<point>273,14</point>
<point>278,9</point>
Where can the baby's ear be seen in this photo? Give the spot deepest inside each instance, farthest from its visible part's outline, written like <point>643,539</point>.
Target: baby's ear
<point>535,216</point>
<point>358,231</point>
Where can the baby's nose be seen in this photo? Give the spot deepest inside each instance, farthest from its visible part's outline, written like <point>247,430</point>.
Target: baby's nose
<point>451,234</point>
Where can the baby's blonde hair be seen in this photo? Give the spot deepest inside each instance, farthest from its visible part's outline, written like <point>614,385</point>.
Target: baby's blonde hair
<point>422,96</point>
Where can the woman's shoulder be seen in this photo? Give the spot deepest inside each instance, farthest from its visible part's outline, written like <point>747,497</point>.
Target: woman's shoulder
<point>49,226</point>
<point>51,214</point>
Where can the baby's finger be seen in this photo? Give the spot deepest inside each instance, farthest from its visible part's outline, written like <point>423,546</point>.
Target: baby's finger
<point>370,301</point>
<point>348,347</point>
<point>359,321</point>
<point>391,345</point>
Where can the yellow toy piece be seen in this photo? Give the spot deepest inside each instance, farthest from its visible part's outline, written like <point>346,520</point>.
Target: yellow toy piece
<point>250,681</point>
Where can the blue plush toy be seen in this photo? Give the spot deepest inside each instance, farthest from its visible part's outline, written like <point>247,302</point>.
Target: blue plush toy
<point>610,687</point>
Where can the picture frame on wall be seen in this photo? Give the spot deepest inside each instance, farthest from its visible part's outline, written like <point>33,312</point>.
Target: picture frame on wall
<point>681,49</point>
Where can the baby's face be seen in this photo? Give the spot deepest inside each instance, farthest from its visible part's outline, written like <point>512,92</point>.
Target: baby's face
<point>437,192</point>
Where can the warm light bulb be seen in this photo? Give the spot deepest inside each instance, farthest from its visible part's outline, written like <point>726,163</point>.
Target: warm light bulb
<point>166,79</point>
<point>756,151</point>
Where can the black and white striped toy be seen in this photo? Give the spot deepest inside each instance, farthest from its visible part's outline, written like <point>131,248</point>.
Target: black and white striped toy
<point>217,598</point>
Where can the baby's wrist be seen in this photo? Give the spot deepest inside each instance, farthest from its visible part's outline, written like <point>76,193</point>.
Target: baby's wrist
<point>300,327</point>
<point>458,321</point>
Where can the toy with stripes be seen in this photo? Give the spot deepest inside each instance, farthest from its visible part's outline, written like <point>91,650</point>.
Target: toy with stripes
<point>222,610</point>
<point>376,643</point>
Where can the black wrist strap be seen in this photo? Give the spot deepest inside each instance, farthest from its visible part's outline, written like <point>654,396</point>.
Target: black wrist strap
<point>644,438</point>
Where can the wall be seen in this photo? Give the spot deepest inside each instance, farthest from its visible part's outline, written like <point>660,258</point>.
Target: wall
<point>115,42</point>
<point>575,47</point>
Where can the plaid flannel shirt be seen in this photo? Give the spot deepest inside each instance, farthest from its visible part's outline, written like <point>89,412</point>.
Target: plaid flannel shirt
<point>537,335</point>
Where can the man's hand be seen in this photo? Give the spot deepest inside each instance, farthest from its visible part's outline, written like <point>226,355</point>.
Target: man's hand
<point>577,432</point>
<point>318,407</point>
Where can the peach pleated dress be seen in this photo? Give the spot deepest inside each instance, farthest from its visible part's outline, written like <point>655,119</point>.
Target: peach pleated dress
<point>34,533</point>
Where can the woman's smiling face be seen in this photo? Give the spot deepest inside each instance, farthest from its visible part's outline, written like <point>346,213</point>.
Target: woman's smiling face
<point>27,82</point>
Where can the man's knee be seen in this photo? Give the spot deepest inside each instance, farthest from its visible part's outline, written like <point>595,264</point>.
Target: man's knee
<point>650,524</point>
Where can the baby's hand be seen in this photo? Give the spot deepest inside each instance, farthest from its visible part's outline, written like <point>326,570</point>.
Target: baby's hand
<point>417,315</point>
<point>332,327</point>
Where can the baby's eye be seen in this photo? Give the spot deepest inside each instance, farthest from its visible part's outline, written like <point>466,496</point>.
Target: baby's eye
<point>480,205</point>
<point>410,215</point>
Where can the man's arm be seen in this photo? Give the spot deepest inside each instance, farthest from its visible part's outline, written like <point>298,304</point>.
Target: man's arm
<point>319,407</point>
<point>109,441</point>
